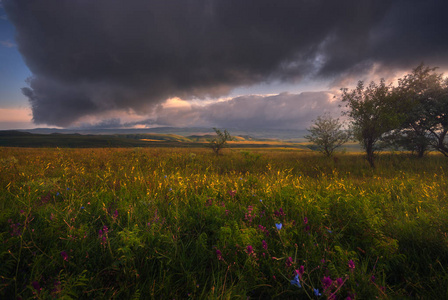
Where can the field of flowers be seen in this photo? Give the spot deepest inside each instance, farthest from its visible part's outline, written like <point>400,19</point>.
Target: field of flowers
<point>185,223</point>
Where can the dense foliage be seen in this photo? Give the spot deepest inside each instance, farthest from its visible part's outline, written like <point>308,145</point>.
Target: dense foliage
<point>184,223</point>
<point>411,116</point>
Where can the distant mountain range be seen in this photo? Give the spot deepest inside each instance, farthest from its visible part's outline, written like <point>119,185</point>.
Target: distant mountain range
<point>154,137</point>
<point>278,134</point>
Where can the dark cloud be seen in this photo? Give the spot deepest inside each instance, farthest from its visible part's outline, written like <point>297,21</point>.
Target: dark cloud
<point>88,57</point>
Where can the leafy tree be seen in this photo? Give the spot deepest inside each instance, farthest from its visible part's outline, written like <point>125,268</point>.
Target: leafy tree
<point>327,134</point>
<point>220,141</point>
<point>423,95</point>
<point>417,142</point>
<point>372,110</point>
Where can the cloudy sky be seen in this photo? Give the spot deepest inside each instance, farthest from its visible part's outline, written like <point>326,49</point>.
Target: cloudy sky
<point>225,63</point>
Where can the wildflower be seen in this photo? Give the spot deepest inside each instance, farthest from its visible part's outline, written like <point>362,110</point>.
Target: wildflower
<point>326,282</point>
<point>57,288</point>
<point>218,254</point>
<point>289,262</point>
<point>64,255</point>
<point>305,220</point>
<point>15,227</point>
<point>232,193</point>
<point>329,231</point>
<point>279,213</point>
<point>82,207</point>
<point>265,245</point>
<point>351,265</point>
<point>115,214</point>
<point>340,281</point>
<point>301,271</point>
<point>296,281</point>
<point>249,249</point>
<point>262,228</point>
<point>279,226</point>
<point>261,200</point>
<point>102,234</point>
<point>316,292</point>
<point>372,278</point>
<point>248,215</point>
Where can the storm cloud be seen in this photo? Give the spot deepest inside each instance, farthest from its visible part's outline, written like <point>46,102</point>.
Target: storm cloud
<point>88,57</point>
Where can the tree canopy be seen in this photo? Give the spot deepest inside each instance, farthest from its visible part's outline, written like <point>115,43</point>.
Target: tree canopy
<point>327,134</point>
<point>413,115</point>
<point>424,103</point>
<point>371,109</point>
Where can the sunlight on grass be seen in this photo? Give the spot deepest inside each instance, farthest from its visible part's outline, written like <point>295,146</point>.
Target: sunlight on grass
<point>185,223</point>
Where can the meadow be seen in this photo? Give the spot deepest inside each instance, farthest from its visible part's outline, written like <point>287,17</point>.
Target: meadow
<point>166,223</point>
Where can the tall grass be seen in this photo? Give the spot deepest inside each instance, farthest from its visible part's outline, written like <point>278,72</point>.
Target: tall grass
<point>184,223</point>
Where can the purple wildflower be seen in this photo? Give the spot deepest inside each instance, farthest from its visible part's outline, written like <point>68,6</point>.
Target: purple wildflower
<point>301,271</point>
<point>249,249</point>
<point>289,262</point>
<point>262,228</point>
<point>64,255</point>
<point>326,282</point>
<point>279,226</point>
<point>340,281</point>
<point>316,292</point>
<point>279,213</point>
<point>265,245</point>
<point>351,265</point>
<point>15,227</point>
<point>305,220</point>
<point>218,254</point>
<point>248,215</point>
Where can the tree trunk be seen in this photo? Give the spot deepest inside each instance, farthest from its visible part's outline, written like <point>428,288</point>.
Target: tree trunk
<point>421,151</point>
<point>370,153</point>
